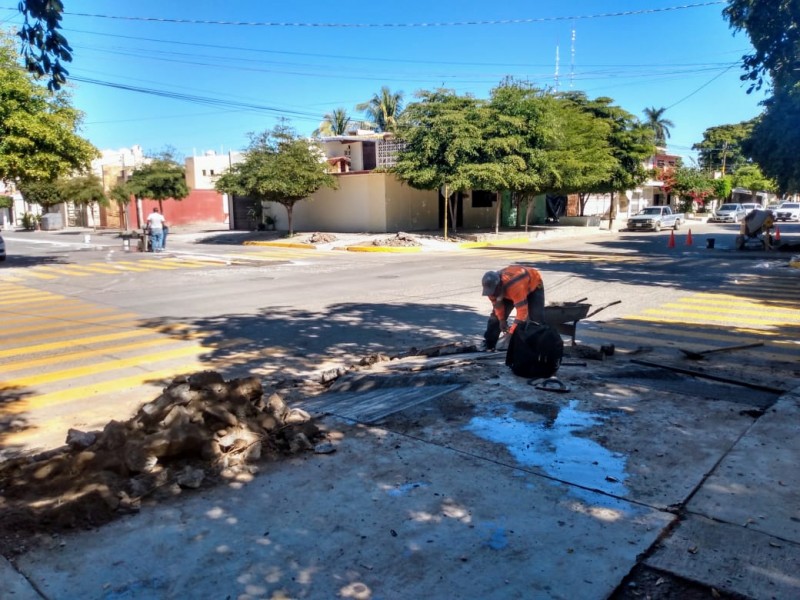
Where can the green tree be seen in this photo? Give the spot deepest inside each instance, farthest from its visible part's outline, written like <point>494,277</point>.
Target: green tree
<point>38,128</point>
<point>383,109</point>
<point>773,27</point>
<point>723,187</point>
<point>629,145</point>
<point>43,192</point>
<point>775,140</point>
<point>456,144</point>
<point>721,148</point>
<point>654,119</point>
<point>336,122</point>
<point>163,178</point>
<point>750,178</point>
<point>43,47</point>
<point>692,185</point>
<point>86,191</point>
<point>278,166</point>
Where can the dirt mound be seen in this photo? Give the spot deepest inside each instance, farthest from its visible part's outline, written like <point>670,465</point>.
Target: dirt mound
<point>321,238</point>
<point>199,430</point>
<point>400,239</point>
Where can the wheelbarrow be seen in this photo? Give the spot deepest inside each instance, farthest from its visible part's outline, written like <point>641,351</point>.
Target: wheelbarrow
<point>564,316</point>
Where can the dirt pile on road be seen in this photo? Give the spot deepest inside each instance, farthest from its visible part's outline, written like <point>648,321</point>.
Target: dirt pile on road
<point>199,430</point>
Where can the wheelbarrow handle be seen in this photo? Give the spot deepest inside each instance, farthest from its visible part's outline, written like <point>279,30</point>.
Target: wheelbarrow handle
<point>594,312</point>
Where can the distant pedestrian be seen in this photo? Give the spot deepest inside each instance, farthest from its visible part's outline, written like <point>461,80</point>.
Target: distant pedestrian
<point>155,227</point>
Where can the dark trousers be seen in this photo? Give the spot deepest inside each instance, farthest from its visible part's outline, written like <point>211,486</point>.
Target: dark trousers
<point>535,301</point>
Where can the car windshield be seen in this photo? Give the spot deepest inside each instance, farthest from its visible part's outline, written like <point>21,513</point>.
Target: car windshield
<point>727,207</point>
<point>651,211</point>
<point>790,205</point>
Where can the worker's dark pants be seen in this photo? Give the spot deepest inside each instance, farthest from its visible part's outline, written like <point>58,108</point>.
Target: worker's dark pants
<point>535,313</point>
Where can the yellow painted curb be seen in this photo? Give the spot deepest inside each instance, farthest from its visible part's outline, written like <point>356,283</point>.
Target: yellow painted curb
<point>281,245</point>
<point>399,249</point>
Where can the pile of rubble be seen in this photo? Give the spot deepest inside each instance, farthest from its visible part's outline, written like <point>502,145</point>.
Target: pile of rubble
<point>199,429</point>
<point>400,239</point>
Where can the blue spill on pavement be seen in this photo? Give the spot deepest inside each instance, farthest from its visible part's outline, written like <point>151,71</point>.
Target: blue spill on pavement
<point>553,446</point>
<point>402,490</point>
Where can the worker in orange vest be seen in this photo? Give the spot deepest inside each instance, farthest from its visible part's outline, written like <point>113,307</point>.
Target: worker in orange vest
<point>515,287</point>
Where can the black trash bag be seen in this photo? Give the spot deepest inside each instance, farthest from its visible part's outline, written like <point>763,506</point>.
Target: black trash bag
<point>535,351</point>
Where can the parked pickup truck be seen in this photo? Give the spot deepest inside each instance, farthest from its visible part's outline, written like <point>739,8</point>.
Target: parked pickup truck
<point>656,217</point>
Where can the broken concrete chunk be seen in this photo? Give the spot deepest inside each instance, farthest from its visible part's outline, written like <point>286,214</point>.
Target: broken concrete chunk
<point>80,440</point>
<point>295,416</point>
<point>190,477</point>
<point>276,406</point>
<point>199,380</point>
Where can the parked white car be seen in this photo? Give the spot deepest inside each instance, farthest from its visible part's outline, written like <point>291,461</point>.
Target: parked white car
<point>788,211</point>
<point>728,213</point>
<point>748,206</point>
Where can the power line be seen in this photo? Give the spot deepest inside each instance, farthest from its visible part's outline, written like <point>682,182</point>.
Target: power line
<point>527,21</point>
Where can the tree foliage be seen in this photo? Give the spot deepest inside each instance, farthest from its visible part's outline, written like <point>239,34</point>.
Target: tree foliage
<point>278,166</point>
<point>654,119</point>
<point>383,109</point>
<point>775,140</point>
<point>38,128</point>
<point>721,148</point>
<point>43,192</point>
<point>773,27</point>
<point>43,47</point>
<point>163,178</point>
<point>336,122</point>
<point>85,189</point>
<point>750,178</point>
<point>690,184</point>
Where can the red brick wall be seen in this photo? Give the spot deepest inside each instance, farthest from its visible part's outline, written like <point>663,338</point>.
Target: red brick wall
<point>200,208</point>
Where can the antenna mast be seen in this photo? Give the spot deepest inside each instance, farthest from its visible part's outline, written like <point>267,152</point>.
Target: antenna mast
<point>572,59</point>
<point>557,60</point>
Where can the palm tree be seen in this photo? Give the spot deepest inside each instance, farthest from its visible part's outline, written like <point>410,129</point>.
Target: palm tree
<point>384,109</point>
<point>659,125</point>
<point>336,122</point>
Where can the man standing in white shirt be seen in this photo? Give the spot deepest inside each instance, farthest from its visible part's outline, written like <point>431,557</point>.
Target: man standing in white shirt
<point>155,225</point>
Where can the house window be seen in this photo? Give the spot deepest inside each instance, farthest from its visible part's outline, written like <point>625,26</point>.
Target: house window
<point>204,172</point>
<point>212,172</point>
<point>482,199</point>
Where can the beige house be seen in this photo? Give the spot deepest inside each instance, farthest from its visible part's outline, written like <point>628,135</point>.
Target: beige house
<point>369,199</point>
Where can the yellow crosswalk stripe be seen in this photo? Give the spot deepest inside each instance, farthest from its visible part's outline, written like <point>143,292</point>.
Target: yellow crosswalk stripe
<point>129,266</point>
<point>80,392</point>
<point>97,339</point>
<point>61,270</point>
<point>44,297</point>
<point>71,356</point>
<point>36,275</point>
<point>53,325</point>
<point>101,367</point>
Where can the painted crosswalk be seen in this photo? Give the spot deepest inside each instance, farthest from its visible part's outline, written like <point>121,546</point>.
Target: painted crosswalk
<point>68,363</point>
<point>745,310</point>
<point>519,255</point>
<point>117,267</point>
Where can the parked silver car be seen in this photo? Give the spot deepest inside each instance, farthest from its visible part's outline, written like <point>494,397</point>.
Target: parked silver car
<point>728,213</point>
<point>2,249</point>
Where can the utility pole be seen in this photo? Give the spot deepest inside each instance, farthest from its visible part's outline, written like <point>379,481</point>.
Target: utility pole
<point>724,156</point>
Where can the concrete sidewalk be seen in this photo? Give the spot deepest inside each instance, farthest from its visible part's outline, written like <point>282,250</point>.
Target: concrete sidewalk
<point>496,490</point>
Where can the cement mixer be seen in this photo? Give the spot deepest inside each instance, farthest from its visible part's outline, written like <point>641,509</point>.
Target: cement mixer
<point>755,230</point>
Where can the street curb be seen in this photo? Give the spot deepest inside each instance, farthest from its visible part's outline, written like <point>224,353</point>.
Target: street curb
<point>519,240</point>
<point>395,249</point>
<point>299,246</point>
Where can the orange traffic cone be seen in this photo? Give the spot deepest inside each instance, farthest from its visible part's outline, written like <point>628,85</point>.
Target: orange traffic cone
<point>671,243</point>
<point>777,234</point>
<point>689,238</point>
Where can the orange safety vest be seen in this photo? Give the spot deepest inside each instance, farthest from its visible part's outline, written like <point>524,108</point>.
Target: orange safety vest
<point>516,282</point>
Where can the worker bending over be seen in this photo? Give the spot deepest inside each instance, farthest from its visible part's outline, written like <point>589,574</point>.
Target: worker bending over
<point>515,287</point>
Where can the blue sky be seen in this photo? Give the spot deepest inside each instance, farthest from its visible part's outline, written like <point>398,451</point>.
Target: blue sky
<point>240,78</point>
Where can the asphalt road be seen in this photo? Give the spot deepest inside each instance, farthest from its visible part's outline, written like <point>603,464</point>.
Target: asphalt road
<point>91,331</point>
